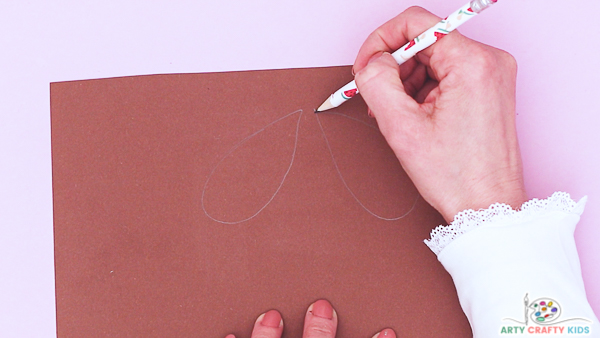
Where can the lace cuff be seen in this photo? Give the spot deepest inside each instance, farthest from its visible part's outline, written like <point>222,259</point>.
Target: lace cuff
<point>468,220</point>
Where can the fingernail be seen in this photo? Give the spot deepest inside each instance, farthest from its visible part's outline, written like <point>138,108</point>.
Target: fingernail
<point>353,72</point>
<point>370,112</point>
<point>375,56</point>
<point>321,308</point>
<point>229,336</point>
<point>270,319</point>
<point>387,333</point>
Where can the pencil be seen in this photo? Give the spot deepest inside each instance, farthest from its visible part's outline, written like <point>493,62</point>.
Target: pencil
<point>419,43</point>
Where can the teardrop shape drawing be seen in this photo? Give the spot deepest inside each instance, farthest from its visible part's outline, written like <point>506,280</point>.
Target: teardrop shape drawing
<point>385,178</point>
<point>245,180</point>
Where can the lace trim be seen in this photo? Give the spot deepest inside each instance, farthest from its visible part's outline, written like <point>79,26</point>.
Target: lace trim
<point>468,220</point>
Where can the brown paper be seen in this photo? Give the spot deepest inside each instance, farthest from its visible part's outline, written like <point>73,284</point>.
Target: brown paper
<point>172,216</point>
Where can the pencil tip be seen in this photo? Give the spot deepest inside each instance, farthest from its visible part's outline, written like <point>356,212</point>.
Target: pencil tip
<point>325,106</point>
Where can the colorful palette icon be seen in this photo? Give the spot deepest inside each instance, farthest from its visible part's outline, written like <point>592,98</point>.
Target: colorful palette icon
<point>545,310</point>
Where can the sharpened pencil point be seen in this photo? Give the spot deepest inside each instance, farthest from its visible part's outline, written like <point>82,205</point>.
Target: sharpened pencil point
<point>325,106</point>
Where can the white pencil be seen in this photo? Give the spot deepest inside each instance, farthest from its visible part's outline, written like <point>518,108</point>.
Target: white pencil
<point>424,40</point>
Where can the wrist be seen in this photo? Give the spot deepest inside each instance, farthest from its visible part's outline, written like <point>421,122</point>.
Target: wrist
<point>514,196</point>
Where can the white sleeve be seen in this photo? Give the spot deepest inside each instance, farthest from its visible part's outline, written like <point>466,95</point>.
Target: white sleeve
<point>517,273</point>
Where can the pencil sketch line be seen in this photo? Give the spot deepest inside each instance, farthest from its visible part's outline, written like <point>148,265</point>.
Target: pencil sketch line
<point>351,118</point>
<point>346,184</point>
<point>237,146</point>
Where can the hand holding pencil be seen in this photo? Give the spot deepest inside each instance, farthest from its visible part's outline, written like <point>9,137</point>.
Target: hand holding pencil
<point>418,43</point>
<point>448,114</point>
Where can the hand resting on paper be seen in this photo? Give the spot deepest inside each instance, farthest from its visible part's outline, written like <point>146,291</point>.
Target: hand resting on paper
<point>448,114</point>
<point>320,321</point>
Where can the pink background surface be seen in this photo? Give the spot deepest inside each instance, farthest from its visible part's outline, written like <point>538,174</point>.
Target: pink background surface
<point>555,43</point>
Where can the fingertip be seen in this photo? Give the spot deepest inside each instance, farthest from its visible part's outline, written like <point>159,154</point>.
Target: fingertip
<point>390,60</point>
<point>376,57</point>
<point>381,69</point>
<point>387,333</point>
<point>230,336</point>
<point>271,318</point>
<point>382,89</point>
<point>361,64</point>
<point>322,308</point>
<point>321,320</point>
<point>268,325</point>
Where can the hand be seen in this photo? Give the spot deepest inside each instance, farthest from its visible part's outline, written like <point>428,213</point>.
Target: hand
<point>320,322</point>
<point>448,114</point>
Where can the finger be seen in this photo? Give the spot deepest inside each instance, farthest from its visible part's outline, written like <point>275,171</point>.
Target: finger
<point>408,68</point>
<point>395,33</point>
<point>370,112</point>
<point>268,325</point>
<point>382,90</point>
<point>320,320</point>
<point>387,333</point>
<point>229,336</point>
<point>424,93</point>
<point>416,80</point>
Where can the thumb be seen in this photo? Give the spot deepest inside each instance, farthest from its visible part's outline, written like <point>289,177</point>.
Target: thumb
<point>381,88</point>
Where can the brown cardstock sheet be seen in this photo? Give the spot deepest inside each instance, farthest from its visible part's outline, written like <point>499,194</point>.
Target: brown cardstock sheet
<point>185,205</point>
